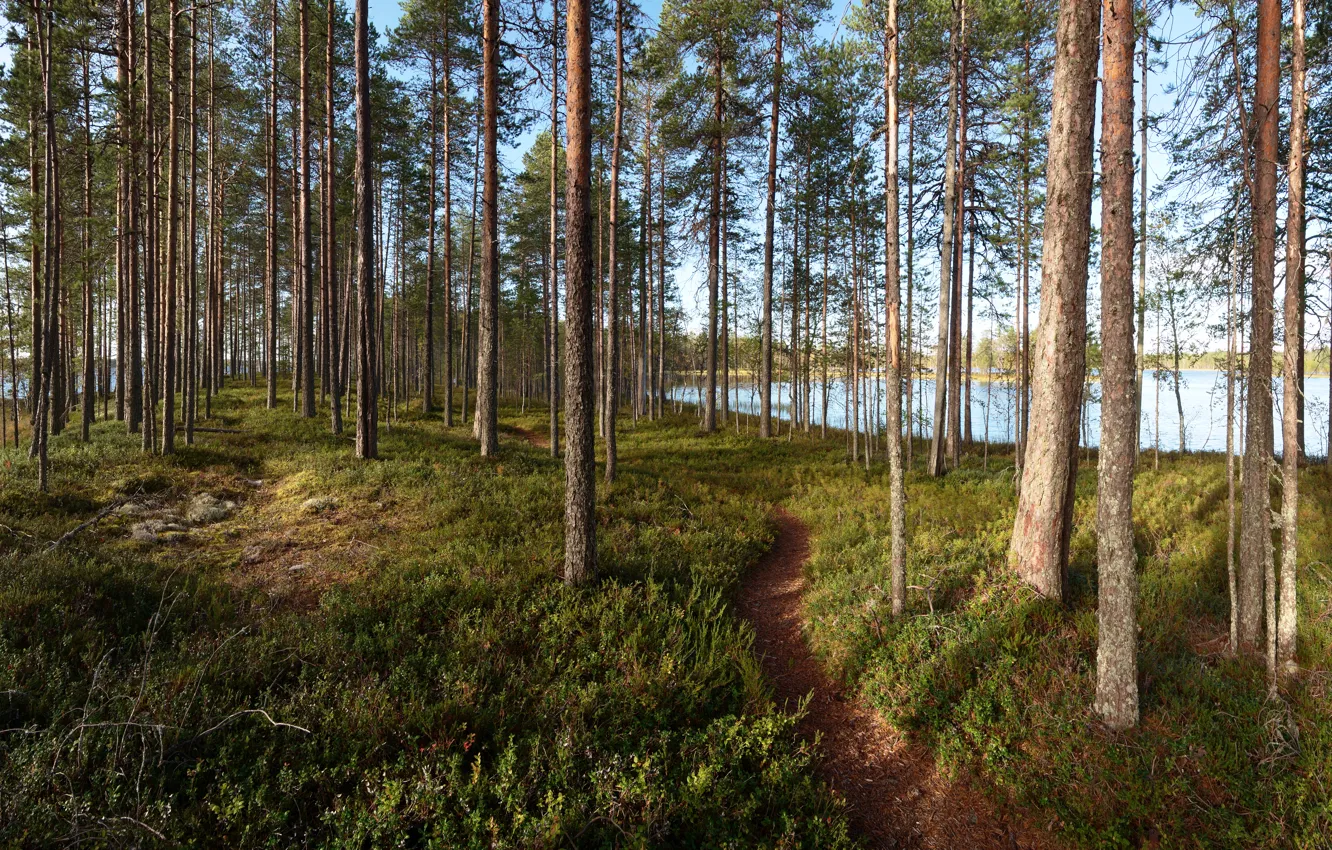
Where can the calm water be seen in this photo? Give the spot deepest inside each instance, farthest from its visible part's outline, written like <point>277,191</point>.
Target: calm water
<point>1202,392</point>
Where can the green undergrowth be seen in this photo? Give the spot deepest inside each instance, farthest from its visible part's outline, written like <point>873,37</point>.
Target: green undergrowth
<point>999,682</point>
<point>375,654</point>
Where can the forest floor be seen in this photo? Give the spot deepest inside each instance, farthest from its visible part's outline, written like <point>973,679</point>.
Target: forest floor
<point>261,641</point>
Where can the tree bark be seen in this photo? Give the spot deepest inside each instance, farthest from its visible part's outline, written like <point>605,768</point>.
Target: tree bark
<point>580,462</point>
<point>367,391</point>
<point>306,246</point>
<point>770,212</point>
<point>270,282</point>
<point>1290,407</point>
<point>1116,561</point>
<point>487,376</point>
<point>714,247</point>
<point>336,373</point>
<point>171,288</point>
<point>935,466</point>
<point>428,382</point>
<point>1142,243</point>
<point>448,221</point>
<point>89,391</point>
<point>1255,512</point>
<point>613,373</point>
<point>1044,520</point>
<point>893,298</point>
<point>553,355</point>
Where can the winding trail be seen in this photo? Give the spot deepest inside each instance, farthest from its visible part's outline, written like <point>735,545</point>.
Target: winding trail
<point>895,794</point>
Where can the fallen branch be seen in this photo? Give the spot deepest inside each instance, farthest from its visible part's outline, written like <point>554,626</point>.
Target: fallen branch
<point>232,717</point>
<point>199,430</point>
<point>81,526</point>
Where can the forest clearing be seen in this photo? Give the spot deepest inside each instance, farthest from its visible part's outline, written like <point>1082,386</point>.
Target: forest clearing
<point>674,423</point>
<point>442,686</point>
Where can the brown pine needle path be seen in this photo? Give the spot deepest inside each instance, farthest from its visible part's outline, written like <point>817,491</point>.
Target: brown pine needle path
<point>895,794</point>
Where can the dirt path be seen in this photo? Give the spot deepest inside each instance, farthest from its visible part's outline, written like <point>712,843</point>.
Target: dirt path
<point>895,794</point>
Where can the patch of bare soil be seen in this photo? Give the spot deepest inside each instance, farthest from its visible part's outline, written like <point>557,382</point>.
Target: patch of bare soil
<point>895,793</point>
<point>540,439</point>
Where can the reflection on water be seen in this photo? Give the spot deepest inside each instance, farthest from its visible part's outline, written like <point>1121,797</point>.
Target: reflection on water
<point>1202,395</point>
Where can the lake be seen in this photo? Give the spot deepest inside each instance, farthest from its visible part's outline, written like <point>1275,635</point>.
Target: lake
<point>1202,393</point>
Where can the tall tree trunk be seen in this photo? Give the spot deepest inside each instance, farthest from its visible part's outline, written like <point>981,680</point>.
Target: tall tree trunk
<point>50,300</point>
<point>893,299</point>
<point>336,373</point>
<point>1116,561</point>
<point>37,220</point>
<point>448,221</point>
<point>910,282</point>
<point>580,462</point>
<point>553,354</point>
<point>170,290</point>
<point>428,384</point>
<point>1291,373</point>
<point>367,390</point>
<point>935,467</point>
<point>1231,345</point>
<point>770,212</point>
<point>306,246</point>
<point>151,287</point>
<point>661,281</point>
<point>955,345</point>
<point>89,390</point>
<point>1255,513</point>
<point>1044,520</point>
<point>270,280</point>
<point>613,373</point>
<point>645,302</point>
<point>1142,241</point>
<point>191,375</point>
<point>487,375</point>
<point>714,247</point>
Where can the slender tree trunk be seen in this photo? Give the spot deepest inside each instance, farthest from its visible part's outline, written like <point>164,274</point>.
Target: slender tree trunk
<point>955,346</point>
<point>336,372</point>
<point>935,467</point>
<point>770,212</point>
<point>171,288</point>
<point>306,237</point>
<point>893,299</point>
<point>580,462</point>
<point>613,373</point>
<point>553,354</point>
<point>487,374</point>
<point>428,385</point>
<point>1044,520</point>
<point>151,283</point>
<point>910,280</point>
<point>191,367</point>
<point>1291,374</point>
<point>1255,514</point>
<point>367,390</point>
<point>1117,560</point>
<point>661,281</point>
<point>1230,432</point>
<point>714,248</point>
<point>448,220</point>
<point>89,390</point>
<point>270,282</point>
<point>1142,239</point>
